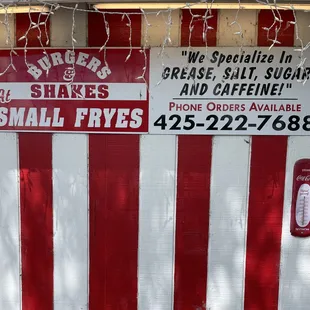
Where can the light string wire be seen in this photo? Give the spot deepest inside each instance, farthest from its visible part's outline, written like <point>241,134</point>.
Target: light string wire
<point>272,31</point>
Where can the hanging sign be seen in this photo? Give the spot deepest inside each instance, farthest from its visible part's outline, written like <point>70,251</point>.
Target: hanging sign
<point>73,91</point>
<point>229,91</point>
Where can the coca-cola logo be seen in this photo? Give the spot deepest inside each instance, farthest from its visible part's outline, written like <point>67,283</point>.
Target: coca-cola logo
<point>304,178</point>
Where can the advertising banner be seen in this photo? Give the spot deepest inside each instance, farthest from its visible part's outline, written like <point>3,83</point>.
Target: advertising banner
<point>226,91</point>
<point>73,91</point>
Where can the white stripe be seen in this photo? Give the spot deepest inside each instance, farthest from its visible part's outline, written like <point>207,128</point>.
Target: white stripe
<point>295,252</point>
<point>61,27</point>
<point>7,34</point>
<point>75,91</point>
<point>157,29</point>
<point>301,28</point>
<point>228,219</point>
<point>227,34</point>
<point>10,295</point>
<point>70,205</point>
<point>156,222</point>
<point>229,192</point>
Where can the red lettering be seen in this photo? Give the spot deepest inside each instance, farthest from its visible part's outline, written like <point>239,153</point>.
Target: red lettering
<point>76,91</point>
<point>89,91</point>
<point>36,91</point>
<point>63,91</point>
<point>103,91</point>
<point>211,106</point>
<point>185,107</point>
<point>49,91</point>
<point>79,91</point>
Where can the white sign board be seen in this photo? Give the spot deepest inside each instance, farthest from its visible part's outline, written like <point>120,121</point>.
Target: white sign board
<point>228,92</point>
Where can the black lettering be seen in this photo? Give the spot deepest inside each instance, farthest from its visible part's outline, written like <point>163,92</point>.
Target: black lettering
<point>166,73</point>
<point>183,74</point>
<point>192,74</point>
<point>175,72</point>
<point>217,89</point>
<point>192,57</point>
<point>209,73</point>
<point>268,73</point>
<point>194,89</point>
<point>184,90</point>
<point>203,89</point>
<point>227,73</point>
<point>214,57</point>
<point>201,73</point>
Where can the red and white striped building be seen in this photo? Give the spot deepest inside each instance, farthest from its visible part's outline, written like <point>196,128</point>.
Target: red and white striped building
<point>151,222</point>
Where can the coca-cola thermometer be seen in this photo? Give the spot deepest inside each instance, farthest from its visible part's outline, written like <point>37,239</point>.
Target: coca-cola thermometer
<point>300,208</point>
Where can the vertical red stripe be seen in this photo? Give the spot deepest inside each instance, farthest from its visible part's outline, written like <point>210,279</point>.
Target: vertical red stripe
<point>265,222</point>
<point>113,195</point>
<point>198,24</point>
<point>192,226</point>
<point>22,25</point>
<point>266,196</point>
<point>35,156</point>
<point>119,31</point>
<point>286,33</point>
<point>193,197</point>
<point>114,201</point>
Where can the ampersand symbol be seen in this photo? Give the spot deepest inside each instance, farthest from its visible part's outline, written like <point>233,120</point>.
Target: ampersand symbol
<point>69,74</point>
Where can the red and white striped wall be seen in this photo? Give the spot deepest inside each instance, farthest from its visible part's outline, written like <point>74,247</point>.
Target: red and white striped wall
<point>150,222</point>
